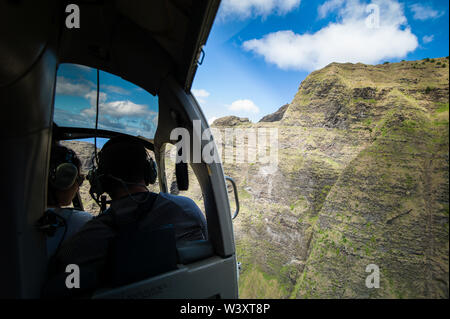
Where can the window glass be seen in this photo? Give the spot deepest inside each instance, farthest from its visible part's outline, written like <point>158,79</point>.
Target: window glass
<point>123,106</point>
<point>194,192</point>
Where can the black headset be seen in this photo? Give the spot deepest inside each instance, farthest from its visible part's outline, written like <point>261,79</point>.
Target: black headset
<point>64,175</point>
<point>97,174</point>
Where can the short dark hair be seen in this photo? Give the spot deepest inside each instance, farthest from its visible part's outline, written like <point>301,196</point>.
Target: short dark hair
<point>122,157</point>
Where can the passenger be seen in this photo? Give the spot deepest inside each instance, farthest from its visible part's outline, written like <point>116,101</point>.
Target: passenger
<point>64,181</point>
<point>124,171</point>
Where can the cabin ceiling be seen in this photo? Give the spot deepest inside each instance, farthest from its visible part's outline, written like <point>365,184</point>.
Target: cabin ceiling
<point>154,38</point>
<point>142,41</point>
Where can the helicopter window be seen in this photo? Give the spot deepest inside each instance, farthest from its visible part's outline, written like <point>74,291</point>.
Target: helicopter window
<point>123,106</point>
<point>194,192</point>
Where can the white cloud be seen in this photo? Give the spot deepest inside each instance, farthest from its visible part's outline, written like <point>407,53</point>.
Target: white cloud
<point>427,38</point>
<point>115,89</point>
<point>244,106</point>
<point>92,97</point>
<point>116,109</point>
<point>124,108</point>
<point>212,119</point>
<point>351,39</point>
<point>65,86</point>
<point>423,12</point>
<point>200,95</point>
<point>83,67</point>
<point>118,115</point>
<point>252,8</point>
<point>328,7</point>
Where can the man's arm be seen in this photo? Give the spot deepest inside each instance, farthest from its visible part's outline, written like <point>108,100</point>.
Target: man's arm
<point>184,214</point>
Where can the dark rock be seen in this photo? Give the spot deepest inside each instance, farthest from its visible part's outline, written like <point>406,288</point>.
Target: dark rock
<point>277,116</point>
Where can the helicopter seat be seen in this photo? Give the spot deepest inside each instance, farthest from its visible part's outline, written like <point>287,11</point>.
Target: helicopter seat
<point>153,252</point>
<point>191,251</point>
<point>157,263</point>
<point>142,254</point>
<point>135,257</point>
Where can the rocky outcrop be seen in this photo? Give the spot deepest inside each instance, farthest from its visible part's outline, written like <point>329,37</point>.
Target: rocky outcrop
<point>277,116</point>
<point>84,151</point>
<point>230,121</point>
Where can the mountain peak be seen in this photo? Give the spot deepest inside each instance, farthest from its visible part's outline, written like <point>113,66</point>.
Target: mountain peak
<point>343,95</point>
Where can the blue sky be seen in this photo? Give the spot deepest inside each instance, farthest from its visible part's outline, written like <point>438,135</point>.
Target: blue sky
<point>259,51</point>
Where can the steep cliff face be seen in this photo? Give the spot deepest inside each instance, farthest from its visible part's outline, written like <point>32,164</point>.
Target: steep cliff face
<point>362,179</point>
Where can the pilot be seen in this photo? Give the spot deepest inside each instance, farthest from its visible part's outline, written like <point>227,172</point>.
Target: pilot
<point>124,171</point>
<point>64,181</point>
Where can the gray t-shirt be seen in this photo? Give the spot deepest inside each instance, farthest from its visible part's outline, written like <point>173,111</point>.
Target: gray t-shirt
<point>90,245</point>
<point>183,213</point>
<point>74,219</point>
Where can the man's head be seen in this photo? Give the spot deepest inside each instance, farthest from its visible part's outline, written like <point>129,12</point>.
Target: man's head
<point>65,176</point>
<point>123,161</point>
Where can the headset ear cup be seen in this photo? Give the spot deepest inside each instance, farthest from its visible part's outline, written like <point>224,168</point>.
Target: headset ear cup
<point>95,181</point>
<point>65,176</point>
<point>155,172</point>
<point>151,172</point>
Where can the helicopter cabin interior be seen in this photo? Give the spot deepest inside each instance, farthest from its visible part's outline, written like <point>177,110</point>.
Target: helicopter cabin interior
<point>154,45</point>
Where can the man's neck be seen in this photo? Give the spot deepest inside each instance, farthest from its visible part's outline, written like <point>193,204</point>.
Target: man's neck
<point>131,189</point>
